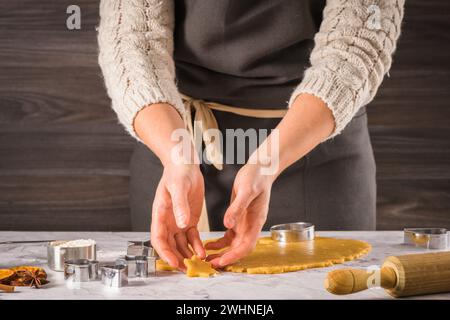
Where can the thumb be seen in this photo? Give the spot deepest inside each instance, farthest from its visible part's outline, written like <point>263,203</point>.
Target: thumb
<point>237,207</point>
<point>180,205</point>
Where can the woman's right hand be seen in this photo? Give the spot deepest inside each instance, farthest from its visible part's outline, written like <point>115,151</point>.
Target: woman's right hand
<point>176,212</point>
<point>179,196</point>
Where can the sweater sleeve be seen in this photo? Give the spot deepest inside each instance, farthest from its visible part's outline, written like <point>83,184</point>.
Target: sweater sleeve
<point>352,53</point>
<point>136,56</point>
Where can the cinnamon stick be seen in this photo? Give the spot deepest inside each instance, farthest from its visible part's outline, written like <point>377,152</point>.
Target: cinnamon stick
<point>6,288</point>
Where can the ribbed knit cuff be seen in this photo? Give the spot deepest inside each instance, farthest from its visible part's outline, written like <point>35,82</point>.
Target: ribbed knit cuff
<point>138,97</point>
<point>339,98</point>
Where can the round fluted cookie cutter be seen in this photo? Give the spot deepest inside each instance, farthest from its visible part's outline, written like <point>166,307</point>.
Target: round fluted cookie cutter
<point>292,232</point>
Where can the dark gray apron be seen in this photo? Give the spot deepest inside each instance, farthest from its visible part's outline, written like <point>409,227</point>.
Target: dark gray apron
<point>252,54</point>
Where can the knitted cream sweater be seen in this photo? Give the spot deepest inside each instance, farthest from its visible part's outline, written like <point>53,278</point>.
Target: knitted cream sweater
<point>352,53</point>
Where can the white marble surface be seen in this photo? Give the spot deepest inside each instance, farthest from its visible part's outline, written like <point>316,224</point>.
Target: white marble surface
<point>306,284</point>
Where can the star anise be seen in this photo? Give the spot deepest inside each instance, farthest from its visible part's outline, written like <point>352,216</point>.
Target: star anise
<point>32,278</point>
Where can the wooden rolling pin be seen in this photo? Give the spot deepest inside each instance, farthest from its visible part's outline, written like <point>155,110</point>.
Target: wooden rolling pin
<point>401,276</point>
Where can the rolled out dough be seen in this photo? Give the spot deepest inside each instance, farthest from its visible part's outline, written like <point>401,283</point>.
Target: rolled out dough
<point>274,257</point>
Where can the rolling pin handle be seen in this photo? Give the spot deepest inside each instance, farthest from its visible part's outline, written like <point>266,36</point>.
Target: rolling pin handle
<point>347,281</point>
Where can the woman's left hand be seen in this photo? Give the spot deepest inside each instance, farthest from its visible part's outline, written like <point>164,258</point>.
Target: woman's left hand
<point>244,217</point>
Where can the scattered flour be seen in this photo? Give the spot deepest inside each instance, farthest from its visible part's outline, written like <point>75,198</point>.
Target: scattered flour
<point>75,243</point>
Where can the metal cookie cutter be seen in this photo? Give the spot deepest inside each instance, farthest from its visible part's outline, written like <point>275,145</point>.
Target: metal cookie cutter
<point>114,276</point>
<point>139,266</point>
<point>134,265</point>
<point>57,254</point>
<point>139,248</point>
<point>80,270</point>
<point>129,263</point>
<point>429,238</point>
<point>292,232</point>
<point>151,264</point>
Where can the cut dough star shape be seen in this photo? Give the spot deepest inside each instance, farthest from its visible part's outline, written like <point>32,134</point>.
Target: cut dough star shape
<point>196,267</point>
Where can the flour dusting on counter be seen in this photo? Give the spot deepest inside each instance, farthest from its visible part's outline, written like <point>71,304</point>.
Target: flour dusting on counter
<point>75,243</point>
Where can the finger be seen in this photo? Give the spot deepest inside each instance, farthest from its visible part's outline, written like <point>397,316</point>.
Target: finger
<point>221,243</point>
<point>237,207</point>
<point>236,253</point>
<point>213,256</point>
<point>161,244</point>
<point>232,256</point>
<point>240,247</point>
<point>159,233</point>
<point>180,205</point>
<point>218,244</point>
<point>182,245</point>
<point>214,259</point>
<point>173,246</point>
<point>193,237</point>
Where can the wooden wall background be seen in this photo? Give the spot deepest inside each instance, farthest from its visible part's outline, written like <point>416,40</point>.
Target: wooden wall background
<point>64,159</point>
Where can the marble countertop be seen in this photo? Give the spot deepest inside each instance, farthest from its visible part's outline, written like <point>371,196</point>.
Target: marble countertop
<point>306,284</point>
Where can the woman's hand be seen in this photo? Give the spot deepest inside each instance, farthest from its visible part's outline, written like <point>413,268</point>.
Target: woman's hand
<point>244,217</point>
<point>308,122</point>
<point>175,214</point>
<point>179,197</point>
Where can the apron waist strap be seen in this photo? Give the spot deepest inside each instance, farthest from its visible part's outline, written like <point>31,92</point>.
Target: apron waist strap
<point>204,120</point>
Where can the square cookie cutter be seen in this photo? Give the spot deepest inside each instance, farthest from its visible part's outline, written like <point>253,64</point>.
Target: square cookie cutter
<point>429,238</point>
<point>114,276</point>
<point>292,232</point>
